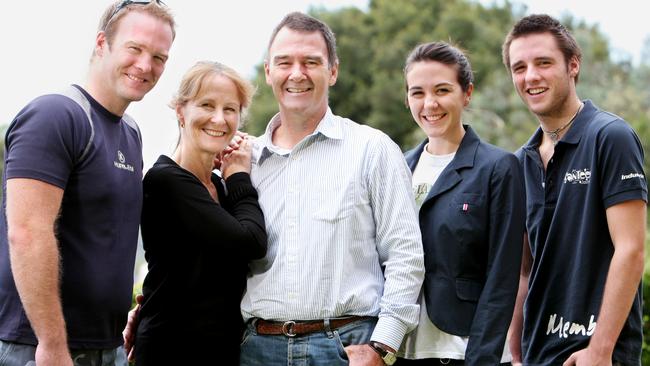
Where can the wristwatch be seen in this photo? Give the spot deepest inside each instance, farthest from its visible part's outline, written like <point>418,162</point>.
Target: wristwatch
<point>386,355</point>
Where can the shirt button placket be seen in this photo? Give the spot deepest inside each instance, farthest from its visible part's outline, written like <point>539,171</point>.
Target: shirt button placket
<point>292,212</point>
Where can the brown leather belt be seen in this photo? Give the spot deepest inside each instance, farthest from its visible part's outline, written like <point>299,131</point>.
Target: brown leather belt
<point>294,328</point>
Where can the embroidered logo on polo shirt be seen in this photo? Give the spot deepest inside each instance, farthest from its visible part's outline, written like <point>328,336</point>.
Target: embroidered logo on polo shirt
<point>577,176</point>
<point>121,163</point>
<point>632,175</point>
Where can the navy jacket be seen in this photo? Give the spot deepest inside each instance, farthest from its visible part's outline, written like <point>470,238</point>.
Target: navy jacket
<point>472,224</point>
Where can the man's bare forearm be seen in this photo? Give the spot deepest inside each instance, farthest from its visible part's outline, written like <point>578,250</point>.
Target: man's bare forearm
<point>32,208</point>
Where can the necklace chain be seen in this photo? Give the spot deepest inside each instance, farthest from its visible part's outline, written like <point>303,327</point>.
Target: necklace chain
<point>555,134</point>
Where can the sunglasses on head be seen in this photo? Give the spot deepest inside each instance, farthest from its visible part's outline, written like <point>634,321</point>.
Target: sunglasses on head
<point>126,3</point>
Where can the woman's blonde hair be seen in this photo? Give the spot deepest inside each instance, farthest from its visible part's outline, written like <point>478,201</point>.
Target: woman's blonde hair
<point>194,78</point>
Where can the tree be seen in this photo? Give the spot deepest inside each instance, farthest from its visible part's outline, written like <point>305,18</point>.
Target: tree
<point>373,45</point>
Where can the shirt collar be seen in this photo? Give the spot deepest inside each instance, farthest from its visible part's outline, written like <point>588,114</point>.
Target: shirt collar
<point>575,132</point>
<point>330,126</point>
<point>577,129</point>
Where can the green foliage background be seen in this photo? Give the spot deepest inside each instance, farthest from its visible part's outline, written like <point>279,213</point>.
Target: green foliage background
<point>373,44</point>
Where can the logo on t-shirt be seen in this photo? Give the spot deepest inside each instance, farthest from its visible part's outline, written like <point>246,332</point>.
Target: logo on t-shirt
<point>565,328</point>
<point>121,163</point>
<point>421,191</point>
<point>578,176</point>
<point>632,176</point>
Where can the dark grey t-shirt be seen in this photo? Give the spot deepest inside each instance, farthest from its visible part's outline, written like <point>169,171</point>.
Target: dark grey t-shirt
<point>597,164</point>
<point>100,213</point>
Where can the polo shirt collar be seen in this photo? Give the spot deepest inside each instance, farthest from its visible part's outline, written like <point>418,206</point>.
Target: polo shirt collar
<point>329,126</point>
<point>575,132</point>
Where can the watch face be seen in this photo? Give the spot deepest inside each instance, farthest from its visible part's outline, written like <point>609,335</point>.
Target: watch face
<point>389,358</point>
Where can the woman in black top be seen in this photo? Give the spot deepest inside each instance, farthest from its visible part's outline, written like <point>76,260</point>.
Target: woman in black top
<point>199,230</point>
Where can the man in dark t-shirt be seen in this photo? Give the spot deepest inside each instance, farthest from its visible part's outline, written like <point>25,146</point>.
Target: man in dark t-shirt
<point>72,202</point>
<point>586,197</point>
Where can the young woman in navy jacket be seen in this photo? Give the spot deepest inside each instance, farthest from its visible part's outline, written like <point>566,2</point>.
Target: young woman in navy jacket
<point>471,201</point>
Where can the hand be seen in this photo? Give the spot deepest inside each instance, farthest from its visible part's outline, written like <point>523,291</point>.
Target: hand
<point>128,334</point>
<point>363,355</point>
<point>238,160</point>
<point>53,355</point>
<point>234,143</point>
<point>216,163</point>
<point>232,146</point>
<point>588,357</point>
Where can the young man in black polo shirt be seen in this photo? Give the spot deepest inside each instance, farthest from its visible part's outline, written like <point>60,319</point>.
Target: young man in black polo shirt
<point>586,212</point>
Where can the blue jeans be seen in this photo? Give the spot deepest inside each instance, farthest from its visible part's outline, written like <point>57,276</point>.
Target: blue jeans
<point>325,348</point>
<point>17,354</point>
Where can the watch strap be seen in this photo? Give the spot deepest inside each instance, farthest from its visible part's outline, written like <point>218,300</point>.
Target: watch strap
<point>385,354</point>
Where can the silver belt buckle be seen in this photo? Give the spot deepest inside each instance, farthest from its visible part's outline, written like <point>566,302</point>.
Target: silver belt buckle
<point>287,328</point>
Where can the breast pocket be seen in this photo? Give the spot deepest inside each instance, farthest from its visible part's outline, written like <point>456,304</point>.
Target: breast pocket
<point>334,201</point>
<point>469,212</point>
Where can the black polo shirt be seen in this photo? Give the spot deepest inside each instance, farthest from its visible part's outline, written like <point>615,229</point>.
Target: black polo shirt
<point>597,164</point>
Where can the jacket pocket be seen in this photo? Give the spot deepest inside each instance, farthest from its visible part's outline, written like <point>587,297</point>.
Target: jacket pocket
<point>468,290</point>
<point>469,215</point>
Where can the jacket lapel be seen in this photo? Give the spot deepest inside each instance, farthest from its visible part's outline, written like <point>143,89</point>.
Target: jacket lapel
<point>450,177</point>
<point>413,156</point>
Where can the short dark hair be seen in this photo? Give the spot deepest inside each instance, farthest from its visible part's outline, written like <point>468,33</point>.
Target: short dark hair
<point>304,23</point>
<point>446,54</point>
<point>542,23</point>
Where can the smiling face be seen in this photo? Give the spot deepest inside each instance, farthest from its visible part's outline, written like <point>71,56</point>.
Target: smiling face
<point>131,65</point>
<point>210,120</point>
<point>436,99</point>
<point>541,75</point>
<point>297,71</point>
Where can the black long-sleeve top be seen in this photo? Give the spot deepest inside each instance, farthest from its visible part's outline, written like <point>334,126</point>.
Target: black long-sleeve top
<point>197,252</point>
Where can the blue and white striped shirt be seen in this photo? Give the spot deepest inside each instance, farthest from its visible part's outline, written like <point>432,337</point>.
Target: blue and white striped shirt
<point>338,209</point>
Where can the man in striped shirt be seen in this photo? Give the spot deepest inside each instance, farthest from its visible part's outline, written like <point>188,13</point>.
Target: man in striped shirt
<point>344,266</point>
